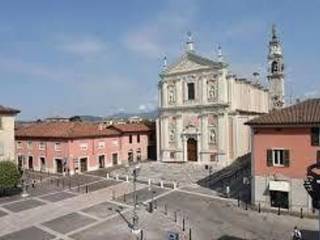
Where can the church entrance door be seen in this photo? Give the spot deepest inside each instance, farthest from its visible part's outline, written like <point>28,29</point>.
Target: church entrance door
<point>192,149</point>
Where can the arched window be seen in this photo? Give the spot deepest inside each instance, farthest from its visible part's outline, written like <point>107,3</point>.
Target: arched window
<point>130,155</point>
<point>139,154</point>
<point>274,67</point>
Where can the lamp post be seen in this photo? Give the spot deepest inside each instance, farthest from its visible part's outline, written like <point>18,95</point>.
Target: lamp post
<point>135,219</point>
<point>24,193</point>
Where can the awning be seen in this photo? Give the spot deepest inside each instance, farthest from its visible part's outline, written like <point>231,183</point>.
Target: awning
<point>281,186</point>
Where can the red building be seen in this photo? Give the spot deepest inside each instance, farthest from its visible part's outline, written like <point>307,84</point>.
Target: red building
<point>79,146</point>
<point>284,143</point>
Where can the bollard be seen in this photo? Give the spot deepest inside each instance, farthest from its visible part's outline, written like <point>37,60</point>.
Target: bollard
<point>58,182</point>
<point>161,184</point>
<point>33,184</point>
<point>246,205</point>
<point>189,233</point>
<point>62,183</point>
<point>149,182</point>
<point>155,204</point>
<point>279,210</point>
<point>259,208</point>
<point>78,187</point>
<point>87,189</point>
<point>183,224</point>
<point>108,176</point>
<point>69,184</point>
<point>301,213</point>
<point>238,200</point>
<point>117,177</point>
<point>165,209</point>
<point>124,197</point>
<point>150,207</point>
<point>175,216</point>
<point>127,178</point>
<point>174,185</point>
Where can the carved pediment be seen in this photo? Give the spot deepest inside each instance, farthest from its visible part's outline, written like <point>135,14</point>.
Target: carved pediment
<point>186,65</point>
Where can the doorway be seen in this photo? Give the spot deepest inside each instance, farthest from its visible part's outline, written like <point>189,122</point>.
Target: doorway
<point>42,164</point>
<point>83,165</point>
<point>192,149</point>
<point>115,158</point>
<point>59,165</point>
<point>30,162</point>
<point>279,199</point>
<point>101,161</point>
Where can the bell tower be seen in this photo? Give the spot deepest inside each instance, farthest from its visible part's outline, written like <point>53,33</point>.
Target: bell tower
<point>275,72</point>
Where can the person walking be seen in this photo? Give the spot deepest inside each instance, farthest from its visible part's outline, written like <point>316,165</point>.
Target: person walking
<point>296,234</point>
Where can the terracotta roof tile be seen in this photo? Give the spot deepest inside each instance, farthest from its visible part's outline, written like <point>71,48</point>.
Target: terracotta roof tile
<point>7,110</point>
<point>64,130</point>
<point>306,112</point>
<point>130,127</point>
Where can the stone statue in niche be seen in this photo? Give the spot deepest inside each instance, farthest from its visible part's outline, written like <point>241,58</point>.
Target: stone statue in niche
<point>171,94</point>
<point>212,91</point>
<point>212,136</point>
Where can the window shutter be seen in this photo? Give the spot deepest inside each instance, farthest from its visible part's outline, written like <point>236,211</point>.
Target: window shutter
<point>315,136</point>
<point>318,158</point>
<point>286,158</point>
<point>269,157</point>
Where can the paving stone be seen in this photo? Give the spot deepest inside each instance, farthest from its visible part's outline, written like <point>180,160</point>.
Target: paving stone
<point>2,213</point>
<point>23,205</point>
<point>68,223</point>
<point>103,210</point>
<point>56,197</point>
<point>142,195</point>
<point>32,233</point>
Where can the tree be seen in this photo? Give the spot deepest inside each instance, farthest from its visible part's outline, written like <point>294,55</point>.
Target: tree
<point>9,175</point>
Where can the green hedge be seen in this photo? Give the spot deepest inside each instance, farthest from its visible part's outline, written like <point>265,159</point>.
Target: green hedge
<point>9,175</point>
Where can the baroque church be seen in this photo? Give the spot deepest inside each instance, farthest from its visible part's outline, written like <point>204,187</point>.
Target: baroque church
<point>203,106</point>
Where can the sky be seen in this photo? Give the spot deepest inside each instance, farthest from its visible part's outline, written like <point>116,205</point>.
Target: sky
<point>63,58</point>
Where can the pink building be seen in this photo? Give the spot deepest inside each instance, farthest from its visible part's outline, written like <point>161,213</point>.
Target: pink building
<point>79,146</point>
<point>285,142</point>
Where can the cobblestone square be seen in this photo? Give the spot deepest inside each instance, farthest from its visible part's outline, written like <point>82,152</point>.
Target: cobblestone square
<point>32,233</point>
<point>103,210</point>
<point>23,205</point>
<point>68,223</point>
<point>55,197</point>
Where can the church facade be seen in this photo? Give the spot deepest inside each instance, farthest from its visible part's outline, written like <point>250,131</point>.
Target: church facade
<point>203,108</point>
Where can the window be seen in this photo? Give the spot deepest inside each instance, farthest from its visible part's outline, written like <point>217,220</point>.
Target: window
<point>279,199</point>
<point>315,136</point>
<point>213,157</point>
<point>191,94</point>
<point>172,155</point>
<point>57,146</point>
<point>84,146</point>
<point>42,146</point>
<point>274,67</point>
<point>1,124</point>
<point>318,158</point>
<point>138,138</point>
<point>19,145</point>
<point>130,156</point>
<point>101,145</point>
<point>29,145</point>
<point>130,138</point>
<point>139,154</point>
<point>278,158</point>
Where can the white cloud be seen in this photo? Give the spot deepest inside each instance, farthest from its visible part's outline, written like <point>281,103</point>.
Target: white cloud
<point>152,39</point>
<point>83,46</point>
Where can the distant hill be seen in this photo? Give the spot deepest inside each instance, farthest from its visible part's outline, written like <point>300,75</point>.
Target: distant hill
<point>146,115</point>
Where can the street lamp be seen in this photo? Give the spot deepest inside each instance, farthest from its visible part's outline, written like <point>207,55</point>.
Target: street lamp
<point>135,219</point>
<point>24,193</point>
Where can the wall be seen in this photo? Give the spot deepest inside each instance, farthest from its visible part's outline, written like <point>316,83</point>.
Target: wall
<point>7,137</point>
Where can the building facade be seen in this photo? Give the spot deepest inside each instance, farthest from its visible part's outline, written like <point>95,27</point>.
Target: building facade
<point>285,142</point>
<point>203,108</point>
<point>7,125</point>
<point>74,147</point>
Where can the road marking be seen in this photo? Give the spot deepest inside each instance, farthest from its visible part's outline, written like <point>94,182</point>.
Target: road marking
<point>55,233</point>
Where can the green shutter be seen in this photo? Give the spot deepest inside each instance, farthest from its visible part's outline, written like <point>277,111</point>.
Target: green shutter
<point>269,157</point>
<point>286,158</point>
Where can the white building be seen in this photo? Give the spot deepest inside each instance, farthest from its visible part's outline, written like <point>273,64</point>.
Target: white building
<point>203,108</point>
<point>7,146</point>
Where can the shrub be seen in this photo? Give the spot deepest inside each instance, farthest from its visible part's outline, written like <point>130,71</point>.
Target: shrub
<point>9,175</point>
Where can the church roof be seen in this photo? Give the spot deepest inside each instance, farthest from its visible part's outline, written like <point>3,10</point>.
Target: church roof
<point>304,113</point>
<point>195,58</point>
